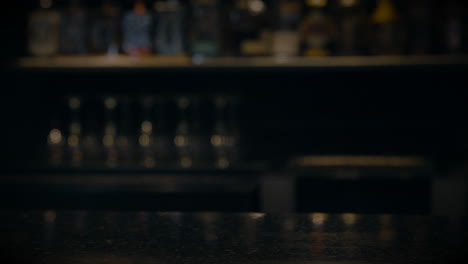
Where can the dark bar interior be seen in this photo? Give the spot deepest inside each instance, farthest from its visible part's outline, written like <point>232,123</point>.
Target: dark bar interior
<point>238,131</point>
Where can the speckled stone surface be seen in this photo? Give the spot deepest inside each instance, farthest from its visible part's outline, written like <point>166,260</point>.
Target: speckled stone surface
<point>146,237</point>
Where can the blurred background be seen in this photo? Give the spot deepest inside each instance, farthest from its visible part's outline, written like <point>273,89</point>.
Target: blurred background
<point>338,106</point>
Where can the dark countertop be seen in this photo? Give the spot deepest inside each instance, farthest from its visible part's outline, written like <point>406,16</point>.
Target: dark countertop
<point>142,237</point>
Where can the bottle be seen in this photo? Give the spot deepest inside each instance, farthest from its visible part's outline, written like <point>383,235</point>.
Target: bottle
<point>220,136</point>
<point>73,29</point>
<point>146,133</point>
<point>205,29</point>
<point>110,132</point>
<point>286,36</point>
<point>169,28</point>
<point>247,24</point>
<point>349,28</point>
<point>316,29</point>
<point>183,134</point>
<point>420,27</point>
<point>385,36</point>
<point>105,29</point>
<point>43,30</point>
<point>91,150</point>
<point>125,136</point>
<point>453,31</point>
<point>136,27</point>
<point>74,138</point>
<point>55,144</point>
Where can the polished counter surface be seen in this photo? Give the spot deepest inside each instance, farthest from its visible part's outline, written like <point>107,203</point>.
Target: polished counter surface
<point>146,237</point>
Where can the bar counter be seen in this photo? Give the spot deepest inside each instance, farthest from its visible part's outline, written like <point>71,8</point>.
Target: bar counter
<point>146,237</point>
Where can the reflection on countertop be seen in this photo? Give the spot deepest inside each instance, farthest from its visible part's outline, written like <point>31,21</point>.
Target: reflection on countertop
<point>145,237</point>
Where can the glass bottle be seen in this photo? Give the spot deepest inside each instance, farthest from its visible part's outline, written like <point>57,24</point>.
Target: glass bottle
<point>43,30</point>
<point>420,27</point>
<point>453,31</point>
<point>162,135</point>
<point>74,138</point>
<point>247,24</point>
<point>286,36</point>
<point>220,137</point>
<point>125,136</point>
<point>349,27</point>
<point>316,29</point>
<point>205,29</point>
<point>385,37</point>
<point>91,150</point>
<point>73,29</point>
<point>110,131</point>
<point>55,144</point>
<point>136,27</point>
<point>183,134</point>
<point>169,28</point>
<point>105,29</point>
<point>146,133</point>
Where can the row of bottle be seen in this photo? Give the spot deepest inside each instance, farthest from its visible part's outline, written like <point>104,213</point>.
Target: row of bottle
<point>146,132</point>
<point>248,28</point>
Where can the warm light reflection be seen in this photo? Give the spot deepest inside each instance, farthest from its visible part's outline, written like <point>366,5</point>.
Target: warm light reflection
<point>256,6</point>
<point>55,137</point>
<point>186,162</point>
<point>144,140</point>
<point>146,127</point>
<point>216,140</point>
<point>75,128</point>
<point>108,140</point>
<point>317,3</point>
<point>348,3</point>
<point>49,217</point>
<point>318,219</point>
<point>349,219</point>
<point>180,141</point>
<point>289,224</point>
<point>110,103</point>
<point>256,216</point>
<point>73,141</point>
<point>222,163</point>
<point>386,229</point>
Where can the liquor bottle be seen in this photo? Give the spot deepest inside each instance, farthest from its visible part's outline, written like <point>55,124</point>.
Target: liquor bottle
<point>183,135</point>
<point>110,131</point>
<point>420,27</point>
<point>169,28</point>
<point>105,29</point>
<point>198,136</point>
<point>136,27</point>
<point>453,31</point>
<point>43,30</point>
<point>286,36</point>
<point>220,135</point>
<point>316,29</point>
<point>91,150</point>
<point>247,24</point>
<point>205,29</point>
<point>146,134</point>
<point>385,37</point>
<point>55,144</point>
<point>161,136</point>
<point>74,138</point>
<point>73,29</point>
<point>349,27</point>
<point>234,133</point>
<point>125,137</point>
